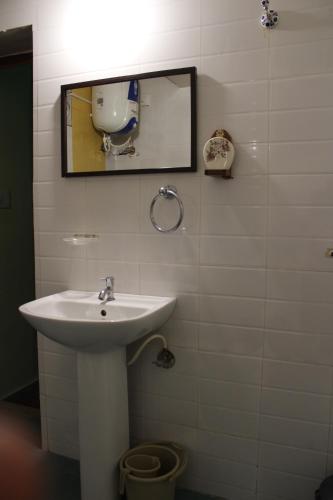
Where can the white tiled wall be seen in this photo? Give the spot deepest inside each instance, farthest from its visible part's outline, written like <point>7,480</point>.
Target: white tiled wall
<point>252,390</point>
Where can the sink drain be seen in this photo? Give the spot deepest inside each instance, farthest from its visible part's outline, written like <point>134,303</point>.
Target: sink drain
<point>103,312</point>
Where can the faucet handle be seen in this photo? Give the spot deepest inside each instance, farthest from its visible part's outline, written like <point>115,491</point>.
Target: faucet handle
<point>109,281</point>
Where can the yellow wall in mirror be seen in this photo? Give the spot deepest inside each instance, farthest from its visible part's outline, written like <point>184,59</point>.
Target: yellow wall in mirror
<point>86,141</point>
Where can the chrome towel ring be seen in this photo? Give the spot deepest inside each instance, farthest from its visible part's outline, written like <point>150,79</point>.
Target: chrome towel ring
<point>167,192</point>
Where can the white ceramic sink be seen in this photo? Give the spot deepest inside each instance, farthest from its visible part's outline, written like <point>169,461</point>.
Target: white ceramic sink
<point>81,321</point>
<point>99,331</point>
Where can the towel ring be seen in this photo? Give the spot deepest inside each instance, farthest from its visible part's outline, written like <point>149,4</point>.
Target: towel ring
<point>167,192</point>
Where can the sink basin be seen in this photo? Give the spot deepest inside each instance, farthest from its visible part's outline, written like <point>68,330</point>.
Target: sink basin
<point>81,321</point>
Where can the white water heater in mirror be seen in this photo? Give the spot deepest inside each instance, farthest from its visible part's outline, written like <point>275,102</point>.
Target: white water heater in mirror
<point>115,107</point>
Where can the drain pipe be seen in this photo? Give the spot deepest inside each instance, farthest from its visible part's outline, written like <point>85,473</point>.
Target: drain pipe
<point>165,358</point>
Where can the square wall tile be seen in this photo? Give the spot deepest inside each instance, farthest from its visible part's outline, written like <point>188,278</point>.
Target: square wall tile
<point>293,460</point>
<point>297,376</point>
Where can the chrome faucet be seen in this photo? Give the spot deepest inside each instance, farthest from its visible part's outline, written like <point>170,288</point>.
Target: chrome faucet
<point>107,292</point>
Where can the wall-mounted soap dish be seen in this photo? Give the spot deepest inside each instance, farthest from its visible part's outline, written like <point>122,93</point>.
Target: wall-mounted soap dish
<point>81,239</point>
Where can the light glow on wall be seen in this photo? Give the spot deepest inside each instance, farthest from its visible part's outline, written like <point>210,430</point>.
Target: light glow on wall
<point>108,33</point>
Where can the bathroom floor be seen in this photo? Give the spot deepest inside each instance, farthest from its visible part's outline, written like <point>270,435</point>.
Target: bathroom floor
<point>65,481</point>
<point>63,473</point>
<point>28,416</point>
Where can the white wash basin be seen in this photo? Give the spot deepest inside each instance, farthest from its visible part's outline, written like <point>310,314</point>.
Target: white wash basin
<point>81,321</point>
<point>99,331</point>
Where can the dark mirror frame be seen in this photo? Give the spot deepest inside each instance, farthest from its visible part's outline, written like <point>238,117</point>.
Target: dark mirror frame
<point>192,71</point>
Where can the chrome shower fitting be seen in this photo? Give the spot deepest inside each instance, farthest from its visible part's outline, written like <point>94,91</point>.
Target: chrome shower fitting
<point>271,18</point>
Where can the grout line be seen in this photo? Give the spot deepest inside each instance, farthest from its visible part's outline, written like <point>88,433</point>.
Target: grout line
<point>303,108</point>
<point>303,76</point>
<point>260,400</point>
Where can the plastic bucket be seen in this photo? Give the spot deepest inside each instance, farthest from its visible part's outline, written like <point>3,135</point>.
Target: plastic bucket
<point>173,461</point>
<point>143,465</point>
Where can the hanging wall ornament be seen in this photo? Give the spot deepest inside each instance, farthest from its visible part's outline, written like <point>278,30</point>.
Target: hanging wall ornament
<point>270,18</point>
<point>219,154</point>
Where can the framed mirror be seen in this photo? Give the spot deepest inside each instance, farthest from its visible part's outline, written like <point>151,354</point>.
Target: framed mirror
<point>144,123</point>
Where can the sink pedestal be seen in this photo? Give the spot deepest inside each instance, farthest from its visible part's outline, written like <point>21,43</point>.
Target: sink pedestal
<point>103,421</point>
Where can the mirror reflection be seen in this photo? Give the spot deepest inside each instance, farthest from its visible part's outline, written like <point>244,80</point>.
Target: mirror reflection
<point>138,124</point>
